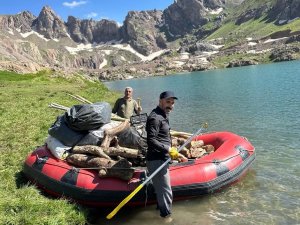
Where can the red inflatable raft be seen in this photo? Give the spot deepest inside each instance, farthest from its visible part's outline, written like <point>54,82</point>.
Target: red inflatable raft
<point>233,156</point>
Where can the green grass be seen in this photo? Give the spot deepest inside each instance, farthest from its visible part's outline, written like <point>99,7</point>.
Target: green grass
<point>246,6</point>
<point>25,119</point>
<point>254,28</point>
<point>223,61</point>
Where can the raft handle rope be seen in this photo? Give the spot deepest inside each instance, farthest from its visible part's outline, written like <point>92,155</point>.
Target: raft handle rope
<point>77,169</point>
<point>40,159</point>
<point>105,167</point>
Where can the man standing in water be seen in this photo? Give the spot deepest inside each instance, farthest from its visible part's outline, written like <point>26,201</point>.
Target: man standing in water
<point>126,106</point>
<point>160,150</point>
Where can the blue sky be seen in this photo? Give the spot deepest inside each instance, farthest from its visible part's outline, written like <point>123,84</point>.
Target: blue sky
<point>96,9</point>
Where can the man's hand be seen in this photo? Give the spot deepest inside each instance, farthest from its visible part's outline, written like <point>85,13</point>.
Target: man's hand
<point>173,153</point>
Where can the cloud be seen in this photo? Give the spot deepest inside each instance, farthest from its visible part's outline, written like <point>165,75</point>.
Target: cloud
<point>74,4</point>
<point>92,15</point>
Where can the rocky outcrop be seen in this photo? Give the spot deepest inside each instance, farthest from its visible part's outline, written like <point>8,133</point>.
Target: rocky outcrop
<point>22,22</point>
<point>238,63</point>
<point>20,67</point>
<point>78,30</point>
<point>284,11</point>
<point>91,62</point>
<point>106,30</point>
<point>90,31</point>
<point>49,24</point>
<point>293,38</point>
<point>196,47</point>
<point>141,31</point>
<point>184,15</point>
<point>284,54</point>
<point>251,14</point>
<point>214,4</point>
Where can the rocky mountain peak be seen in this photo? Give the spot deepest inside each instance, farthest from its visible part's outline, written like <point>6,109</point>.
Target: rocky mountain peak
<point>184,15</point>
<point>80,30</point>
<point>142,30</point>
<point>21,21</point>
<point>49,24</point>
<point>47,11</point>
<point>106,30</point>
<point>90,31</point>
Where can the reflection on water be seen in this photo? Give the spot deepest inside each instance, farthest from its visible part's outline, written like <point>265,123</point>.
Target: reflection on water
<point>261,103</point>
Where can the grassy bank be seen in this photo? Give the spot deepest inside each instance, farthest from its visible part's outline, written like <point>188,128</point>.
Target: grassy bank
<point>24,121</point>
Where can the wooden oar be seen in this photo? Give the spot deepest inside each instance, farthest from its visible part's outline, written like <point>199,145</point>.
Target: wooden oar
<point>79,98</point>
<point>127,199</point>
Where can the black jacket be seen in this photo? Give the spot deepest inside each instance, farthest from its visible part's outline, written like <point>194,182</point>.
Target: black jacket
<point>158,135</point>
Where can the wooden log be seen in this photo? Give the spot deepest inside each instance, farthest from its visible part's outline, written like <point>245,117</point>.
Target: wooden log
<point>84,161</point>
<point>197,152</point>
<point>182,158</point>
<point>122,151</point>
<point>186,152</point>
<point>124,174</point>
<point>106,152</point>
<point>196,144</point>
<point>90,149</point>
<point>109,134</point>
<point>107,168</point>
<point>177,141</point>
<point>209,148</point>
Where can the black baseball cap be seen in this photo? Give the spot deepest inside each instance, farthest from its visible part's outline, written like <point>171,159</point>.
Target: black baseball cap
<point>167,94</point>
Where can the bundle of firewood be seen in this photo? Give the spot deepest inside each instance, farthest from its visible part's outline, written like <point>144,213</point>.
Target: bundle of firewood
<point>111,161</point>
<point>194,150</point>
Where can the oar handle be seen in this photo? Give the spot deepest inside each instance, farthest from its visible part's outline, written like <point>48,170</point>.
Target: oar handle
<point>127,199</point>
<point>138,101</point>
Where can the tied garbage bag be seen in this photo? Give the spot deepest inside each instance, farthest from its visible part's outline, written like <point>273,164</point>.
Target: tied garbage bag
<point>134,137</point>
<point>64,134</point>
<point>88,116</point>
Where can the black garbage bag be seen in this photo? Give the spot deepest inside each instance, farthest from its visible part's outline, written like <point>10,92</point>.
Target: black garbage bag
<point>64,134</point>
<point>90,139</point>
<point>88,116</point>
<point>134,137</point>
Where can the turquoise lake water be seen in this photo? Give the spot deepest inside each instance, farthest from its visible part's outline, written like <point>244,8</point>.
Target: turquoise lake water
<point>259,102</point>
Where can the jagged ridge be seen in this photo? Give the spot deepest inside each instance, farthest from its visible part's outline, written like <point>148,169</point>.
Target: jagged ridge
<point>33,43</point>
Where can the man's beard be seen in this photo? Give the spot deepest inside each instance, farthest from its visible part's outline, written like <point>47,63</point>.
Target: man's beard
<point>168,110</point>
